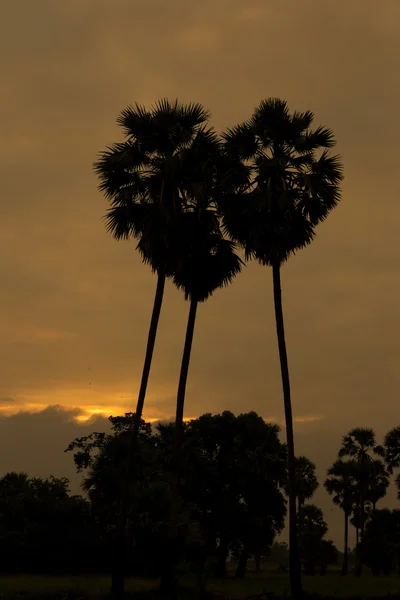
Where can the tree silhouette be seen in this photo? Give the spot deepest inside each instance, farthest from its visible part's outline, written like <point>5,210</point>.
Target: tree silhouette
<point>312,527</point>
<point>341,483</point>
<point>392,454</point>
<point>306,481</point>
<point>360,445</point>
<point>378,482</point>
<point>293,185</point>
<point>205,261</point>
<point>140,178</point>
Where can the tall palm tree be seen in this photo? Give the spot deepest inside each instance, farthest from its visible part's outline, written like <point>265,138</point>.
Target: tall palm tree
<point>341,483</point>
<point>140,179</point>
<point>205,262</point>
<point>360,444</point>
<point>294,184</point>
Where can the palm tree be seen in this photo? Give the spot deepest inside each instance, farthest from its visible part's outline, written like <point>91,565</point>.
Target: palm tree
<point>392,449</point>
<point>205,262</point>
<point>378,482</point>
<point>139,178</point>
<point>306,481</point>
<point>392,454</point>
<point>342,485</point>
<point>294,184</point>
<point>360,445</point>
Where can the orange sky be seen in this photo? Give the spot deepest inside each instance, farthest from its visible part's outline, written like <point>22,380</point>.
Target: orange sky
<point>75,304</point>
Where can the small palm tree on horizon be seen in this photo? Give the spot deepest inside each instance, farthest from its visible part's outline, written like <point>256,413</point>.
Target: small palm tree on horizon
<point>360,445</point>
<point>341,483</point>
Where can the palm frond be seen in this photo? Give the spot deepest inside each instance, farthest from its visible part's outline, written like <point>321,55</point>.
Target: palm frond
<point>135,121</point>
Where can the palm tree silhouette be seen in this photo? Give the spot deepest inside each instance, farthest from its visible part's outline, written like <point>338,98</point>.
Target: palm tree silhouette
<point>306,481</point>
<point>342,484</point>
<point>360,445</point>
<point>140,179</point>
<point>392,449</point>
<point>294,184</point>
<point>378,482</point>
<point>205,262</point>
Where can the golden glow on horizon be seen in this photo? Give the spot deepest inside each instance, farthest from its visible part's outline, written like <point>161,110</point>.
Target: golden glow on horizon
<point>83,414</point>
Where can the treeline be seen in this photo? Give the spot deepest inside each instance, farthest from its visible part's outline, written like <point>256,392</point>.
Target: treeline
<point>232,502</point>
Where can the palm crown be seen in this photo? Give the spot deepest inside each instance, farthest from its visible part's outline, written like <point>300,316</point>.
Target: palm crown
<point>142,176</point>
<point>293,181</point>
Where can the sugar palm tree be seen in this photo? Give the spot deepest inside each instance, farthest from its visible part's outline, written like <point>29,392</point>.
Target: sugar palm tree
<point>294,184</point>
<point>341,483</point>
<point>140,179</point>
<point>392,449</point>
<point>306,481</point>
<point>378,482</point>
<point>392,454</point>
<point>360,445</point>
<point>205,262</point>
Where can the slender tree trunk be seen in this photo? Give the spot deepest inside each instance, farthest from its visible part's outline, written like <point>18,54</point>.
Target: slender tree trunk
<point>294,556</point>
<point>222,556</point>
<point>242,564</point>
<point>345,566</point>
<point>118,569</point>
<point>357,537</point>
<point>361,538</point>
<point>178,438</point>
<point>257,560</point>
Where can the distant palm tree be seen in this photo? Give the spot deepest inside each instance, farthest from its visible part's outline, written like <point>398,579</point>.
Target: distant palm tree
<point>392,454</point>
<point>378,482</point>
<point>342,484</point>
<point>140,179</point>
<point>294,184</point>
<point>360,445</point>
<point>306,481</point>
<point>206,262</point>
<point>392,449</point>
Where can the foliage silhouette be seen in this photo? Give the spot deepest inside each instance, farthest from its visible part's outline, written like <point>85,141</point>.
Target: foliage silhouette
<point>360,445</point>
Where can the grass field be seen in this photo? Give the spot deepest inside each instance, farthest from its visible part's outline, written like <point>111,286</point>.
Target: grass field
<point>331,584</point>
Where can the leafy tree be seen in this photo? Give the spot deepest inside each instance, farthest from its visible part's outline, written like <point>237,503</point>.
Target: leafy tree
<point>342,484</point>
<point>360,444</point>
<point>327,555</point>
<point>312,528</point>
<point>42,527</point>
<point>142,179</point>
<point>293,185</point>
<point>382,541</point>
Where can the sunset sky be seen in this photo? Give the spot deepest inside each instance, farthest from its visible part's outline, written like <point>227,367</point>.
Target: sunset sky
<point>75,304</point>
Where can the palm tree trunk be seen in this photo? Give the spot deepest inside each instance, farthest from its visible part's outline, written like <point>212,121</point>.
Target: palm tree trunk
<point>345,565</point>
<point>118,570</point>
<point>178,438</point>
<point>257,560</point>
<point>294,557</point>
<point>360,542</point>
<point>242,564</point>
